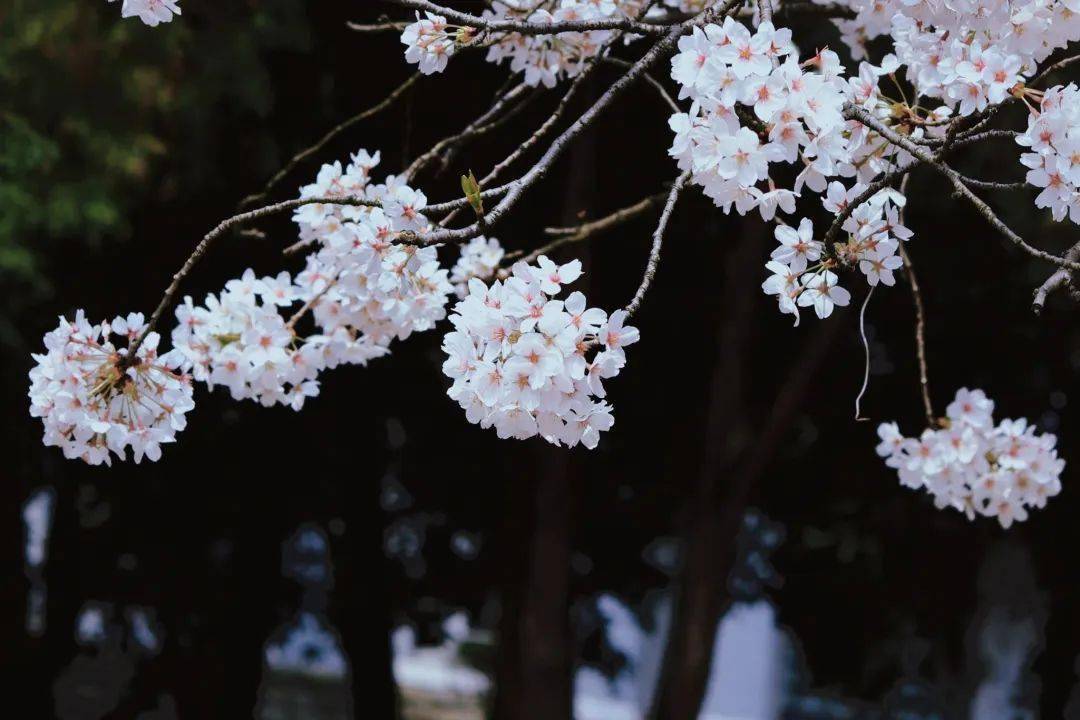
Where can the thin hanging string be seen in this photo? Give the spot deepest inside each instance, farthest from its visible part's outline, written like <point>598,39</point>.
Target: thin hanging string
<point>866,349</point>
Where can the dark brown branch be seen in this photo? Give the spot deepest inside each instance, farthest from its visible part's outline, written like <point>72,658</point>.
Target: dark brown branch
<point>1061,278</point>
<point>491,118</point>
<point>559,145</point>
<point>377,27</point>
<point>326,139</point>
<point>920,153</point>
<point>1051,69</point>
<point>920,336</point>
<point>220,229</point>
<point>657,242</point>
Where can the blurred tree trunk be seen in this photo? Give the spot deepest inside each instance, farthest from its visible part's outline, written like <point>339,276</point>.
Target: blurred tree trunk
<point>546,647</point>
<point>363,600</point>
<point>713,512</point>
<point>544,657</point>
<point>513,561</point>
<point>707,540</point>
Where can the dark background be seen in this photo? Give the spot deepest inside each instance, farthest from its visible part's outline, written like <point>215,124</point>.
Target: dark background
<point>121,145</point>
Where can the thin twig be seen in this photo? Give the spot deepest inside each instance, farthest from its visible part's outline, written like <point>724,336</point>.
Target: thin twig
<point>586,231</point>
<point>857,113</point>
<point>220,229</point>
<point>1062,277</point>
<point>326,139</point>
<point>291,324</point>
<point>487,121</point>
<point>920,336</point>
<point>992,185</point>
<point>657,85</point>
<point>559,145</point>
<point>377,27</point>
<point>657,242</point>
<point>1059,65</point>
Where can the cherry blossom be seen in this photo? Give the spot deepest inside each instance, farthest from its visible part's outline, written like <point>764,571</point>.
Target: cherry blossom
<point>969,54</point>
<point>361,289</point>
<point>151,12</point>
<point>1053,135</point>
<point>542,59</point>
<point>971,465</point>
<point>479,259</point>
<point>519,358</point>
<point>429,43</point>
<point>95,400</point>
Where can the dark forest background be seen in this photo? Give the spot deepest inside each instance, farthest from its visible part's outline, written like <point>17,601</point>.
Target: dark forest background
<point>120,145</point>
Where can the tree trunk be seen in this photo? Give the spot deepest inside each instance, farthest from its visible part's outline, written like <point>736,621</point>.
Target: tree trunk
<point>714,510</point>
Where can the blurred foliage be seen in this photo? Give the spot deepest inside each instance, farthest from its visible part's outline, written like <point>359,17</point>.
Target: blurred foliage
<point>98,116</point>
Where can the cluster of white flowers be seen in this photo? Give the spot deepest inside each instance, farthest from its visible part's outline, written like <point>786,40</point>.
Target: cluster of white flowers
<point>544,59</point>
<point>754,104</point>
<point>974,466</point>
<point>519,358</point>
<point>479,259</point>
<point>94,399</point>
<point>800,265</point>
<point>362,289</point>
<point>969,53</point>
<point>1053,134</point>
<point>151,12</point>
<point>247,346</point>
<point>429,43</point>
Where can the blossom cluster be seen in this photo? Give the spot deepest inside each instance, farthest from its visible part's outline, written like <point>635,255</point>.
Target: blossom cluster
<point>1053,135</point>
<point>544,59</point>
<point>429,43</point>
<point>362,290</point>
<point>968,53</point>
<point>974,466</point>
<point>801,266</point>
<point>519,358</point>
<point>755,104</point>
<point>480,259</point>
<point>96,400</point>
<point>151,12</point>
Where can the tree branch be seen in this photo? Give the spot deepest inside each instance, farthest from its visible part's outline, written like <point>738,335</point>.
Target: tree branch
<point>657,85</point>
<point>657,243</point>
<point>488,121</point>
<point>853,112</point>
<point>220,229</point>
<point>555,150</point>
<point>326,139</point>
<point>533,28</point>
<point>1061,278</point>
